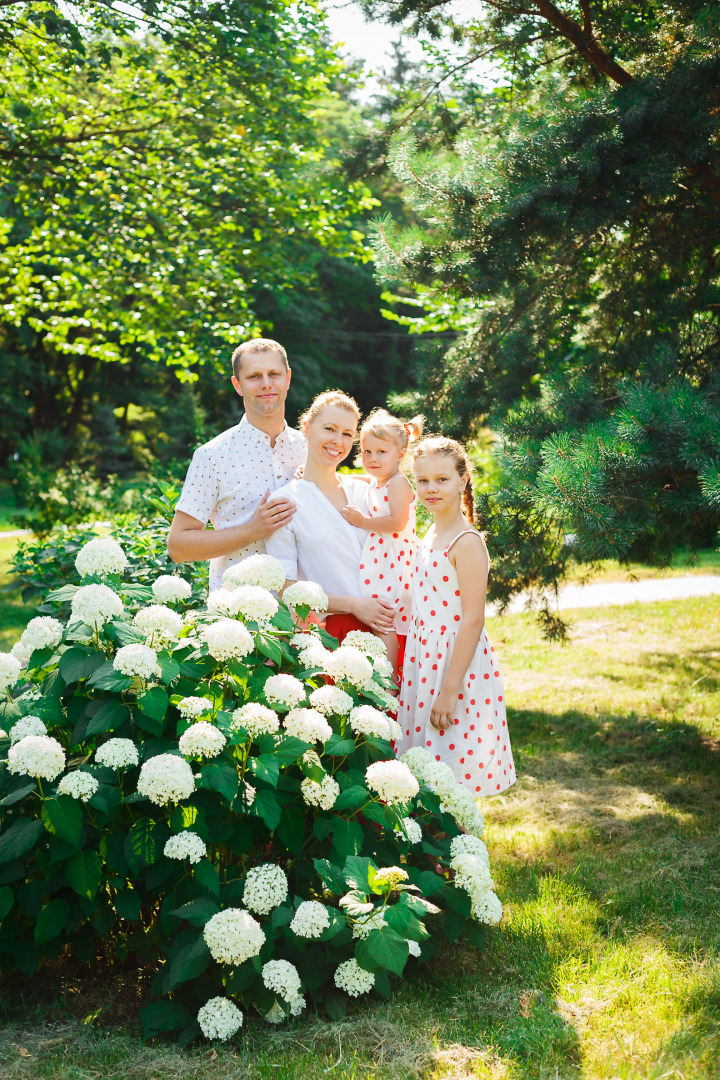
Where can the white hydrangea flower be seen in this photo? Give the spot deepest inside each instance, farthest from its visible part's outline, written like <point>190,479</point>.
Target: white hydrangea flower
<point>469,845</point>
<point>259,569</point>
<point>487,908</point>
<point>417,759</point>
<point>190,708</point>
<point>353,979</point>
<point>310,920</point>
<point>389,877</point>
<point>21,653</point>
<point>366,720</point>
<point>219,1018</point>
<point>253,602</point>
<point>117,754</point>
<point>284,690</point>
<point>367,643</point>
<point>94,605</point>
<point>331,701</point>
<point>201,740</point>
<point>282,978</point>
<point>439,777</point>
<point>10,668</point>
<point>314,656</point>
<point>382,666</point>
<point>27,725</point>
<point>306,593</point>
<point>233,936</point>
<point>297,1005</point>
<point>413,830</point>
<point>3,734</point>
<point>31,693</point>
<point>308,725</point>
<point>185,845</point>
<point>222,602</point>
<point>166,778</point>
<point>392,780</point>
<point>37,755</point>
<point>168,589</point>
<point>472,873</point>
<point>160,625</point>
<point>266,887</point>
<point>414,948</point>
<point>275,1015</point>
<point>387,701</point>
<point>304,639</point>
<point>137,661</point>
<point>365,925</point>
<point>348,664</point>
<point>460,802</point>
<point>227,638</point>
<point>79,785</point>
<point>43,632</point>
<point>99,557</point>
<point>321,794</point>
<point>256,719</point>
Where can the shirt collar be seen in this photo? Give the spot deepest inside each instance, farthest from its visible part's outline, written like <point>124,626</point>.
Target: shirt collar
<point>258,436</point>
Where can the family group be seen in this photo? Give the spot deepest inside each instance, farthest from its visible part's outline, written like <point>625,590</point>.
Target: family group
<point>265,486</point>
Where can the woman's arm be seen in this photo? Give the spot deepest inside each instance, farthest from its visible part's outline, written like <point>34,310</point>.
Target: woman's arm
<point>400,496</point>
<point>470,559</point>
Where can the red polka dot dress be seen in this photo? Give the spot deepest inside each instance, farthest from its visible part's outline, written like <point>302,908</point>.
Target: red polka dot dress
<point>476,746</point>
<point>387,561</point>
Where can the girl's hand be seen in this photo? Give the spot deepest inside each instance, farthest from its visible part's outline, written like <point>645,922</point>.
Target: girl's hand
<point>441,716</point>
<point>376,614</point>
<point>353,516</point>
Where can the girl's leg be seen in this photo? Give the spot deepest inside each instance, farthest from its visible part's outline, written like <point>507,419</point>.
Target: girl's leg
<point>391,644</point>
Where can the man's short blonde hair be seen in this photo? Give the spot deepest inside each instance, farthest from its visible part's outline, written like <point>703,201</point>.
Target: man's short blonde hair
<point>259,344</point>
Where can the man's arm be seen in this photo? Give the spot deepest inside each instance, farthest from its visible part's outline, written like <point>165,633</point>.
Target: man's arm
<point>189,541</point>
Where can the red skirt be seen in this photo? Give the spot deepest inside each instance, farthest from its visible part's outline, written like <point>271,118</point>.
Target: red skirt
<point>339,626</point>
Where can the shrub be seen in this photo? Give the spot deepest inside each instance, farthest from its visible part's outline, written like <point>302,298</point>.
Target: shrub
<point>194,791</point>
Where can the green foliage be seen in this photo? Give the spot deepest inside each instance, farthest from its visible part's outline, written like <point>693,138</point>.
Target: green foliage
<point>91,872</point>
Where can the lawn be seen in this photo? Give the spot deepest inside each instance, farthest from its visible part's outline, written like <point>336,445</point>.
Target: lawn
<point>605,854</point>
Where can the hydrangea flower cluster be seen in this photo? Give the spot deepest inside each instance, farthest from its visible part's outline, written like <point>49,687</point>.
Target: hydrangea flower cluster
<point>233,936</point>
<point>392,780</point>
<point>266,887</point>
<point>365,925</point>
<point>282,978</point>
<point>79,785</point>
<point>353,979</point>
<point>27,725</point>
<point>311,919</point>
<point>367,643</point>
<point>304,639</point>
<point>314,656</point>
<point>469,845</point>
<point>308,725</point>
<point>219,1018</point>
<point>10,668</point>
<point>37,755</point>
<point>227,638</point>
<point>321,794</point>
<point>137,661</point>
<point>43,632</point>
<point>222,602</point>
<point>306,594</point>
<point>254,603</point>
<point>365,720</point>
<point>472,873</point>
<point>160,625</point>
<point>389,877</point>
<point>347,664</point>
<point>331,700</point>
<point>166,778</point>
<point>201,740</point>
<point>258,569</point>
<point>100,557</point>
<point>168,589</point>
<point>456,799</point>
<point>413,830</point>
<point>185,845</point>
<point>95,605</point>
<point>190,708</point>
<point>256,719</point>
<point>284,690</point>
<point>117,754</point>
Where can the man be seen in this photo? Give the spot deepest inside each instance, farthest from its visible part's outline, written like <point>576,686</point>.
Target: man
<point>231,478</point>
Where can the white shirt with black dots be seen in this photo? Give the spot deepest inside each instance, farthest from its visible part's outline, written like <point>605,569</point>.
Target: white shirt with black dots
<point>228,477</point>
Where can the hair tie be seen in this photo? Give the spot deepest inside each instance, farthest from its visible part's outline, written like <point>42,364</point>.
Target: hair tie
<point>408,428</point>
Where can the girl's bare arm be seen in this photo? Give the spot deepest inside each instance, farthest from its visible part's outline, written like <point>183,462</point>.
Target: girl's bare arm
<point>400,496</point>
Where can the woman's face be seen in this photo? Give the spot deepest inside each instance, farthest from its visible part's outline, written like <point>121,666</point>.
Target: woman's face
<point>330,435</point>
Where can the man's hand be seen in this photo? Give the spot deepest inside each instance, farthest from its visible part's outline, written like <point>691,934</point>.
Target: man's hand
<point>269,517</point>
<point>353,516</point>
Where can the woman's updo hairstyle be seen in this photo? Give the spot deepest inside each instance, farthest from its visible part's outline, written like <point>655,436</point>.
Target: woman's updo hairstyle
<point>441,446</point>
<point>329,397</point>
<point>383,425</point>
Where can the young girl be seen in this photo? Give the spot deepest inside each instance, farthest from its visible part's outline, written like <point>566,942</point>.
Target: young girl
<point>452,701</point>
<point>389,550</point>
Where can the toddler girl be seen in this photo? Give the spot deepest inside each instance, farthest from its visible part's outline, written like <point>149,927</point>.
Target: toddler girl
<point>389,550</point>
<point>452,701</point>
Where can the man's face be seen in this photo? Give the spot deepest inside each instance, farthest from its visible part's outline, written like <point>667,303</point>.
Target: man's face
<point>262,383</point>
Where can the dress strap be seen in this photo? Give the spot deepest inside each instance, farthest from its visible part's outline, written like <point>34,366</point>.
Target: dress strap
<point>455,538</point>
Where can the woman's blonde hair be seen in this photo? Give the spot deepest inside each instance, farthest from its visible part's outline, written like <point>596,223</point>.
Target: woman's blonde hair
<point>450,448</point>
<point>329,397</point>
<point>383,425</point>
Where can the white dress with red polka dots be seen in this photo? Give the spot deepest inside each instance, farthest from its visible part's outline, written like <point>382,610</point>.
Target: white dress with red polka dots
<point>387,561</point>
<point>477,744</point>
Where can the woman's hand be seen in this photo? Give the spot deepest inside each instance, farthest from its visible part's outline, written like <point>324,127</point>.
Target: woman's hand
<point>441,716</point>
<point>353,516</point>
<point>377,614</point>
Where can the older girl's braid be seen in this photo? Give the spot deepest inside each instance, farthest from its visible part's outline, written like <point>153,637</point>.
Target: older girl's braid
<point>439,444</point>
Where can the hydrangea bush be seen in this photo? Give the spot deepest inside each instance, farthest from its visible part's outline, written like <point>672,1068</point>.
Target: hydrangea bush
<point>209,787</point>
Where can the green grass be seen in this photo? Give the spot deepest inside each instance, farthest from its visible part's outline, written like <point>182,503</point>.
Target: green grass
<point>605,854</point>
<point>14,614</point>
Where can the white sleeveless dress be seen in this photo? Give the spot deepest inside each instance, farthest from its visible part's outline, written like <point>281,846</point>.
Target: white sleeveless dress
<point>387,561</point>
<point>477,744</point>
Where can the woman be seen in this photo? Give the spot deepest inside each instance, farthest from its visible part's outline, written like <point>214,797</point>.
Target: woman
<point>317,541</point>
